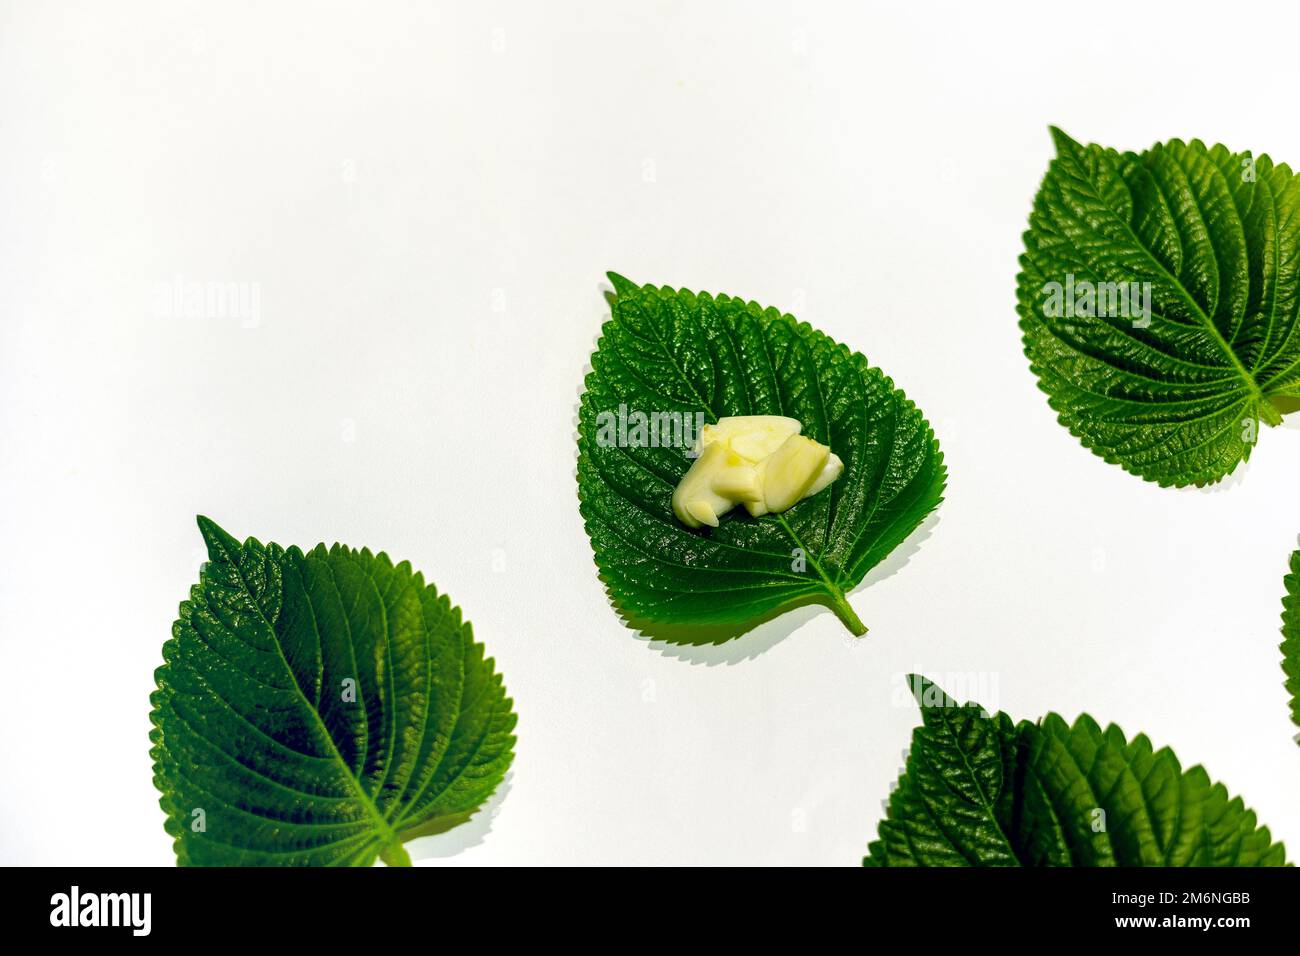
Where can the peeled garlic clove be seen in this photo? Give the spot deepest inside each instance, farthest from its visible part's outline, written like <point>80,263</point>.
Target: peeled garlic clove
<point>736,479</point>
<point>694,499</point>
<point>765,437</point>
<point>703,513</point>
<point>791,471</point>
<point>760,461</point>
<point>830,471</point>
<point>753,437</point>
<point>756,505</point>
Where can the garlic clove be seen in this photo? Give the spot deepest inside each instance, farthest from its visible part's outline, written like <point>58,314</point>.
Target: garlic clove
<point>830,471</point>
<point>703,513</point>
<point>694,499</point>
<point>791,471</point>
<point>753,437</point>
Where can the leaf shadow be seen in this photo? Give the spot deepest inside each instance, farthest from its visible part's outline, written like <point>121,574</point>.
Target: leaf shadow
<point>1234,479</point>
<point>711,646</point>
<point>449,836</point>
<point>1287,406</point>
<point>897,559</point>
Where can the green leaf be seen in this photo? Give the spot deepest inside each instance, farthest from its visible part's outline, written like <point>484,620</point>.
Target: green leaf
<point>980,790</point>
<point>667,351</point>
<point>1291,637</point>
<point>1210,240</point>
<point>320,709</point>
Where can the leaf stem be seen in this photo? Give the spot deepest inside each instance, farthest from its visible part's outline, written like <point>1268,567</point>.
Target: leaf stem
<point>395,855</point>
<point>844,611</point>
<point>837,602</point>
<point>1278,405</point>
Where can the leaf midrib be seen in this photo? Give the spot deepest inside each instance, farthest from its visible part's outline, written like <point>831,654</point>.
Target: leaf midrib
<point>834,590</point>
<point>1205,320</point>
<point>970,772</point>
<point>384,834</point>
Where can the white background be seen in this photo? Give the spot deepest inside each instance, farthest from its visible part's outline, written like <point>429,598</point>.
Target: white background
<point>426,199</point>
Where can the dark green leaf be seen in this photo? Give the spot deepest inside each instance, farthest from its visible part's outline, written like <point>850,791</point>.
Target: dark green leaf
<point>1175,392</point>
<point>980,790</point>
<point>673,351</point>
<point>320,709</point>
<point>1291,637</point>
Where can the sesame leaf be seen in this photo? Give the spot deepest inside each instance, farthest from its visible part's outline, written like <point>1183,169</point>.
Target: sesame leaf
<point>320,708</point>
<point>1291,637</point>
<point>982,790</point>
<point>1158,301</point>
<point>682,357</point>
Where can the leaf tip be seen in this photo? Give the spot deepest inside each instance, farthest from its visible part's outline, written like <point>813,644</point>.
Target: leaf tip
<point>919,684</point>
<point>216,537</point>
<point>622,284</point>
<point>1064,141</point>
